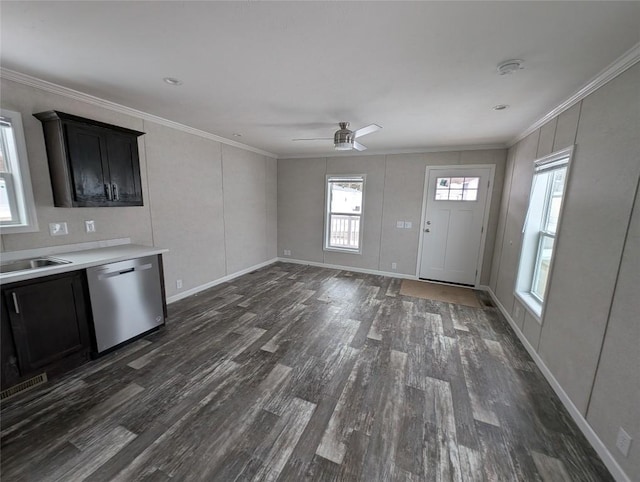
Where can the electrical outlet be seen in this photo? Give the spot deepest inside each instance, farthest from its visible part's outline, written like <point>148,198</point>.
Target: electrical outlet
<point>179,284</point>
<point>623,442</point>
<point>58,229</point>
<point>399,224</point>
<point>408,225</point>
<point>90,226</point>
<point>394,265</point>
<point>287,252</point>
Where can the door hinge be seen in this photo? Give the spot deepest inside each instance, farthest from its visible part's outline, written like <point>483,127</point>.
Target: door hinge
<point>482,230</point>
<point>488,184</point>
<point>476,272</point>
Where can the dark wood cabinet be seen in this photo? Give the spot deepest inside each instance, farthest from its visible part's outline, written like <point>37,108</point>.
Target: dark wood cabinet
<point>92,164</point>
<point>9,372</point>
<point>45,326</point>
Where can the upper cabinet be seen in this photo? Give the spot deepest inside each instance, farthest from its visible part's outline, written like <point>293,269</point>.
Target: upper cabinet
<point>92,164</point>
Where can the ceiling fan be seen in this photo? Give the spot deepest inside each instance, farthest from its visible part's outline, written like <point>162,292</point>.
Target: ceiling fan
<point>345,139</point>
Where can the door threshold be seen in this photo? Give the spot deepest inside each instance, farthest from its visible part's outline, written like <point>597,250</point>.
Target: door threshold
<point>448,283</point>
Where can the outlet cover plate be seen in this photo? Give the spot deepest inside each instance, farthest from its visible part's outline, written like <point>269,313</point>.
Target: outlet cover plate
<point>58,229</point>
<point>90,226</point>
<point>623,442</point>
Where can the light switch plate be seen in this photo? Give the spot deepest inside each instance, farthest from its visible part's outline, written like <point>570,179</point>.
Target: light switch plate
<point>408,225</point>
<point>90,226</point>
<point>58,229</point>
<point>400,224</point>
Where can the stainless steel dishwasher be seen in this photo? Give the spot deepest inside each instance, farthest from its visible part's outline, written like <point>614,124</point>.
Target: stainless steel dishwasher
<point>126,300</point>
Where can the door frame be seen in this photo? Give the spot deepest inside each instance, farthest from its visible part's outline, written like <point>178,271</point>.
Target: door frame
<point>485,221</point>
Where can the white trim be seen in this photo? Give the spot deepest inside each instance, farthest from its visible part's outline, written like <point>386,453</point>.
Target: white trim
<point>224,279</point>
<point>23,190</point>
<point>348,268</point>
<point>542,163</point>
<point>327,211</point>
<point>624,62</point>
<point>486,213</point>
<point>521,294</point>
<point>30,81</point>
<point>606,456</point>
<point>383,152</point>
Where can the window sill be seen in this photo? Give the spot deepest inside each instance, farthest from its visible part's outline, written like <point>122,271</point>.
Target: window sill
<point>23,228</point>
<point>531,304</point>
<point>339,250</point>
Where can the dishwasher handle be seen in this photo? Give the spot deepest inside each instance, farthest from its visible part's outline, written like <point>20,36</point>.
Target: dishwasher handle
<point>118,272</point>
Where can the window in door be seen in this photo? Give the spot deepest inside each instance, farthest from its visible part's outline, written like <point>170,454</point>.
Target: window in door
<point>457,188</point>
<point>541,228</point>
<point>344,210</point>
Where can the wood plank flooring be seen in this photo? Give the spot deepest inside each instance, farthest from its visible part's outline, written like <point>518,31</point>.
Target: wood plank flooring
<point>298,373</point>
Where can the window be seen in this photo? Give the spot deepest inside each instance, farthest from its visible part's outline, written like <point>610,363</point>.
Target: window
<point>343,223</point>
<point>457,188</point>
<point>540,229</point>
<point>17,209</point>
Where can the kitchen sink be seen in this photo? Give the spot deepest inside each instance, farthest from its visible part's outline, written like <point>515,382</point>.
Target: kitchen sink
<point>34,263</point>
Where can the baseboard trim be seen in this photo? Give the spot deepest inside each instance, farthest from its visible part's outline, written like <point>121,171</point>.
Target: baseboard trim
<point>224,279</point>
<point>616,471</point>
<point>349,268</point>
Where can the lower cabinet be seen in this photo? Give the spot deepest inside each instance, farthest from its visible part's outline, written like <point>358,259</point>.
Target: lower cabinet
<point>45,326</point>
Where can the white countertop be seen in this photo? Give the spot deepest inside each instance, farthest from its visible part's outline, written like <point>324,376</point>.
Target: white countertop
<point>82,260</point>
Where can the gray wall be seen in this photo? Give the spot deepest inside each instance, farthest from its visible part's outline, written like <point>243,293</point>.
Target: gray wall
<point>394,192</point>
<point>214,206</point>
<point>590,337</point>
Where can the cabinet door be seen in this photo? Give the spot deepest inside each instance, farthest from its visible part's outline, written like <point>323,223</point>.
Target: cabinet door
<point>89,167</point>
<point>9,361</point>
<point>48,320</point>
<point>124,168</point>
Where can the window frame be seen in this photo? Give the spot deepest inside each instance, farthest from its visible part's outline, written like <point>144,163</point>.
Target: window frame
<point>18,181</point>
<point>463,190</point>
<point>535,230</point>
<point>327,212</point>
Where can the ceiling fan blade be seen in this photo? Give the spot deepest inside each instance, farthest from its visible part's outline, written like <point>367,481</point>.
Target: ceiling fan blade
<point>315,139</point>
<point>358,146</point>
<point>366,130</point>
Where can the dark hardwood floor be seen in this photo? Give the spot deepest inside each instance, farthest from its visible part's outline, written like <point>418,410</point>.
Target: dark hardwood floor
<point>300,373</point>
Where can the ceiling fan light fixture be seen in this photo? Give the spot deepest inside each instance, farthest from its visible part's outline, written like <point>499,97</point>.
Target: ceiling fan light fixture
<point>343,138</point>
<point>343,146</point>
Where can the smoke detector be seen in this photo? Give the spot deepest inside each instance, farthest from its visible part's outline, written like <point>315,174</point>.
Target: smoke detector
<point>510,66</point>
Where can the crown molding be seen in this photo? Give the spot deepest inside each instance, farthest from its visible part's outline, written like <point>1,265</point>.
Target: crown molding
<point>90,99</point>
<point>426,150</point>
<point>624,62</point>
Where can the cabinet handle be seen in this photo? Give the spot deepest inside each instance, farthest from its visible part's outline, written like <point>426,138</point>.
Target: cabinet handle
<point>107,191</point>
<point>116,194</point>
<point>15,302</point>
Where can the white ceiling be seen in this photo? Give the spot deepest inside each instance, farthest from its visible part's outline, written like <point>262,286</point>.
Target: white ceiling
<point>273,71</point>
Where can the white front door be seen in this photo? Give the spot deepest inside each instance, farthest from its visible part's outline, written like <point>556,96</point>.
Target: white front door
<point>453,225</point>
